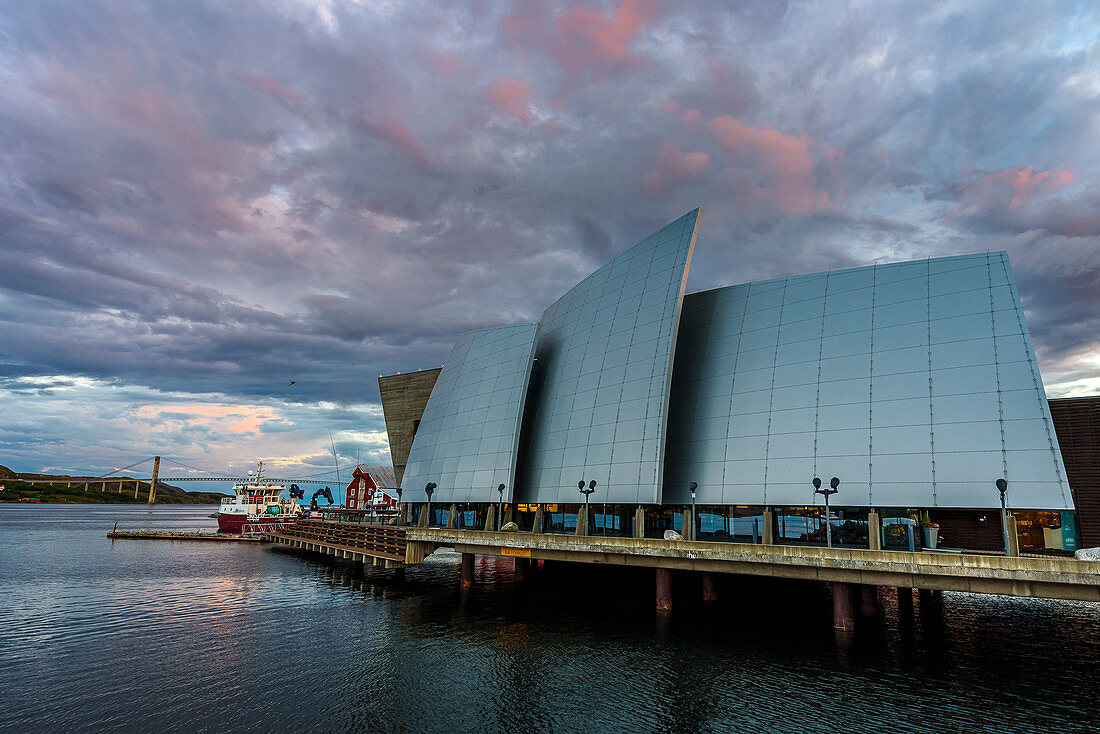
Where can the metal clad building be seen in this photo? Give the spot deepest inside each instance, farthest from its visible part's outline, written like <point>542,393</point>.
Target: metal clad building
<point>468,438</point>
<point>915,383</point>
<point>605,355</point>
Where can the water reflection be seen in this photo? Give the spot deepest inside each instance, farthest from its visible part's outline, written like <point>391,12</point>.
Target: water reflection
<point>140,636</point>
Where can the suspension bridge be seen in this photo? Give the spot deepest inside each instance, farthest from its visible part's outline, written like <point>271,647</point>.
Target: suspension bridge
<point>180,472</point>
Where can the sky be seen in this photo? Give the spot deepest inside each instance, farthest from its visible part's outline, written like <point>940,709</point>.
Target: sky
<point>202,201</point>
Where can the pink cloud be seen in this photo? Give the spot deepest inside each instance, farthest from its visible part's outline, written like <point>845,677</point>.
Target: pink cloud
<point>512,97</point>
<point>691,117</point>
<point>579,38</point>
<point>397,134</point>
<point>779,167</point>
<point>673,166</point>
<point>591,39</point>
<point>1009,188</point>
<point>270,87</point>
<point>448,63</point>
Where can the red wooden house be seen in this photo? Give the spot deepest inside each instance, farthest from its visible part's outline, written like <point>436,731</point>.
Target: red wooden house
<point>372,488</point>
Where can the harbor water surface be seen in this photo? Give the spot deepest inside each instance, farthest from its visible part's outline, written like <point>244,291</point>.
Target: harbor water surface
<point>144,636</point>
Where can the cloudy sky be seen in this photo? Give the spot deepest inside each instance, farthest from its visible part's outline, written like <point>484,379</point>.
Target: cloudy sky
<point>200,201</point>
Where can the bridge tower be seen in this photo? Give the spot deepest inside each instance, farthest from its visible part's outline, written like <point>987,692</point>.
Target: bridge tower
<point>153,481</point>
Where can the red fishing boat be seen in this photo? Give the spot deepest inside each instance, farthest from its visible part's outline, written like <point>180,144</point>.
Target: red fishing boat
<point>257,503</point>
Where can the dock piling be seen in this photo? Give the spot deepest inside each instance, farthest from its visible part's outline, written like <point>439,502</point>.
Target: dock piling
<point>710,589</point>
<point>664,590</point>
<point>843,619</point>
<point>467,570</point>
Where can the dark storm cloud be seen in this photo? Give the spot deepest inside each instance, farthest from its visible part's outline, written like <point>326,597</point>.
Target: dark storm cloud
<point>211,199</point>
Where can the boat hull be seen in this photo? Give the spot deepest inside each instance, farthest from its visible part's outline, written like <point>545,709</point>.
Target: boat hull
<point>232,522</point>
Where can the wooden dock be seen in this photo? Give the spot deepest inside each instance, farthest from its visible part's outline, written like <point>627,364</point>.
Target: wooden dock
<point>201,535</point>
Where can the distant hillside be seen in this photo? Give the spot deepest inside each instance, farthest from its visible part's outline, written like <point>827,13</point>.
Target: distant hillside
<point>19,485</point>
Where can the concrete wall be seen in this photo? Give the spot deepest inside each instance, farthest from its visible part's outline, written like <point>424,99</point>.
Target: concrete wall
<point>403,400</point>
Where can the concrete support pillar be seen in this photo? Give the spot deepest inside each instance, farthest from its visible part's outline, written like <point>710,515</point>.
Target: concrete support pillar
<point>925,596</point>
<point>687,527</point>
<point>710,588</point>
<point>874,530</point>
<point>152,482</point>
<point>1013,538</point>
<point>768,532</point>
<point>452,515</point>
<point>85,486</point>
<point>843,618</point>
<point>423,521</point>
<point>639,522</point>
<point>403,514</point>
<point>664,590</point>
<point>521,568</point>
<point>905,600</point>
<point>538,519</point>
<point>582,521</point>
<point>119,486</point>
<point>868,601</point>
<point>491,519</point>
<point>509,514</point>
<point>467,570</point>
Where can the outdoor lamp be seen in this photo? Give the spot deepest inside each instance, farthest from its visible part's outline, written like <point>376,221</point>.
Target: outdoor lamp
<point>833,484</point>
<point>1002,487</point>
<point>694,517</point>
<point>586,493</point>
<point>429,488</point>
<point>500,507</point>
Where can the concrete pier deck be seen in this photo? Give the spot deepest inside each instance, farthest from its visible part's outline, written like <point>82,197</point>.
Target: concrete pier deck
<point>1050,578</point>
<point>394,547</point>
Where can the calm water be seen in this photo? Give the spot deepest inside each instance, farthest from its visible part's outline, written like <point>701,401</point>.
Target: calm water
<point>191,637</point>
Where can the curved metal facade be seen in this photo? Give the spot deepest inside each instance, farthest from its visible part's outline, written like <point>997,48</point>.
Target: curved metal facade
<point>915,384</point>
<point>605,357</point>
<point>468,437</point>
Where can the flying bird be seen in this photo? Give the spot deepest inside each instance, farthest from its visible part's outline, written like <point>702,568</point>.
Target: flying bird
<point>291,383</point>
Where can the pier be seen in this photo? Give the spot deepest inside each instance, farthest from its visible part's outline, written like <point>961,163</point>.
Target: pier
<point>200,535</point>
<point>853,574</point>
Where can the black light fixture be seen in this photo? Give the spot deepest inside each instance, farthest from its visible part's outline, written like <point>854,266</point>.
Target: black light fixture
<point>1002,487</point>
<point>694,517</point>
<point>586,492</point>
<point>831,489</point>
<point>399,505</point>
<point>429,489</point>
<point>500,507</point>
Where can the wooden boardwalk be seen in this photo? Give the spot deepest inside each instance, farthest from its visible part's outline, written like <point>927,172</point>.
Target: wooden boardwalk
<point>380,545</point>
